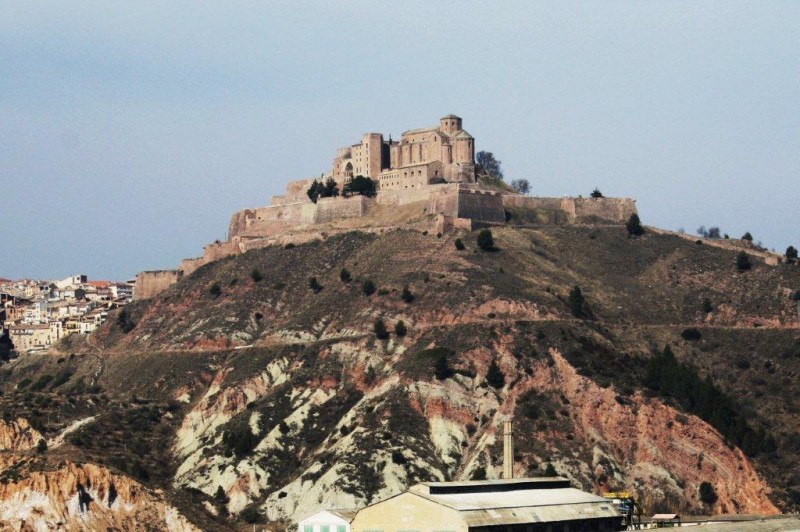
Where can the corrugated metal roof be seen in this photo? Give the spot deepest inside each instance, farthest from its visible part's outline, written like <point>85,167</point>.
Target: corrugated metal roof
<point>775,524</point>
<point>543,514</point>
<point>526,498</point>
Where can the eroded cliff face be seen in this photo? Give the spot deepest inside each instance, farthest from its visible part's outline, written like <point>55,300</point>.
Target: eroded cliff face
<point>18,435</point>
<point>80,497</point>
<point>448,430</point>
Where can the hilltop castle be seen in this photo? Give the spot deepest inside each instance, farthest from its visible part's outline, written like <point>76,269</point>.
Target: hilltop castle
<point>425,181</point>
<point>422,157</point>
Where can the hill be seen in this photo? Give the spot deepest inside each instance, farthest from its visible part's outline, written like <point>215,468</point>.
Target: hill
<point>247,388</point>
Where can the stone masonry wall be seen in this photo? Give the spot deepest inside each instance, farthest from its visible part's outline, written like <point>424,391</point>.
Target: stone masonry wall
<point>616,210</point>
<point>330,209</point>
<point>150,284</point>
<point>481,206</point>
<point>613,209</point>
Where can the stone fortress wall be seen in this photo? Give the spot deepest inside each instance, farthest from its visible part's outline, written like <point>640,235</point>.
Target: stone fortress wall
<point>615,210</point>
<point>151,283</point>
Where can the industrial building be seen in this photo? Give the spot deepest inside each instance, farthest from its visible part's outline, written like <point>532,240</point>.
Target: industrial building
<point>514,505</point>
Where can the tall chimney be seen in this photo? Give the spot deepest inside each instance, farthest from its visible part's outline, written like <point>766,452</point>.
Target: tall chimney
<point>508,449</point>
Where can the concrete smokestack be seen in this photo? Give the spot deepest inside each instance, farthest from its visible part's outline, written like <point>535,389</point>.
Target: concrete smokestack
<point>508,449</point>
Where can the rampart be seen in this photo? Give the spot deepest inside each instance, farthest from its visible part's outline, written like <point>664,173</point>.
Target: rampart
<point>616,210</point>
<point>330,209</point>
<point>151,283</point>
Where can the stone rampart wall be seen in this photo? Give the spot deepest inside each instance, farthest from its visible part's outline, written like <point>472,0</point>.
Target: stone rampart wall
<point>612,209</point>
<point>188,266</point>
<point>527,202</point>
<point>481,206</point>
<point>296,213</point>
<point>331,209</point>
<point>150,284</point>
<point>616,210</point>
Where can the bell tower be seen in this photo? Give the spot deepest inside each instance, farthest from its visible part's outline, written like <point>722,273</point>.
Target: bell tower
<point>450,124</point>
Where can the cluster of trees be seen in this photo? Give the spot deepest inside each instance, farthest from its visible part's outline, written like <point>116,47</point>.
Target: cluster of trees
<point>670,378</point>
<point>329,189</point>
<point>488,167</point>
<point>318,189</point>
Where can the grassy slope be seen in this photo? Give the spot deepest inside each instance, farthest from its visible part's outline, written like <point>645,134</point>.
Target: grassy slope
<point>642,293</point>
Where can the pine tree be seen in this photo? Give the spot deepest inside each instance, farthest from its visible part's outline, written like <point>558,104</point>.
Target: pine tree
<point>486,240</point>
<point>494,376</point>
<point>743,262</point>
<point>577,303</point>
<point>634,225</point>
<point>380,329</point>
<point>400,328</point>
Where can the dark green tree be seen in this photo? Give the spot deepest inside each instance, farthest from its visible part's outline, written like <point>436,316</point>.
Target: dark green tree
<point>707,493</point>
<point>791,254</point>
<point>406,295</point>
<point>707,305</point>
<point>488,166</point>
<point>494,376</point>
<point>479,473</point>
<point>41,446</point>
<point>550,471</point>
<point>577,303</point>
<point>459,244</point>
<point>747,236</point>
<point>220,496</point>
<point>344,275</point>
<point>314,190</point>
<point>361,185</point>
<point>256,276</point>
<point>743,261</point>
<point>485,240</point>
<point>368,287</point>
<point>314,285</point>
<point>400,328</point>
<point>596,193</point>
<point>634,225</point>
<point>215,290</point>
<point>330,189</point>
<point>441,367</point>
<point>521,186</point>
<point>381,333</point>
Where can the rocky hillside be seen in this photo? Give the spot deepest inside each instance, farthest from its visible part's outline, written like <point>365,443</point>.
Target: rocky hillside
<point>337,372</point>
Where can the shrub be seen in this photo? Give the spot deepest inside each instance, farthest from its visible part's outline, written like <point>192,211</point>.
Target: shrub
<point>314,285</point>
<point>41,446</point>
<point>479,473</point>
<point>747,236</point>
<point>577,303</point>
<point>707,493</point>
<point>256,276</point>
<point>250,515</point>
<point>791,254</point>
<point>796,296</point>
<point>485,240</point>
<point>441,368</point>
<point>743,261</point>
<point>124,321</point>
<point>707,306</point>
<point>400,328</point>
<point>691,334</point>
<point>344,275</point>
<point>596,193</point>
<point>368,287</point>
<point>494,376</point>
<point>398,458</point>
<point>380,329</point>
<point>41,382</point>
<point>214,290</point>
<point>634,225</point>
<point>550,471</point>
<point>288,246</point>
<point>407,296</point>
<point>459,244</point>
<point>220,496</point>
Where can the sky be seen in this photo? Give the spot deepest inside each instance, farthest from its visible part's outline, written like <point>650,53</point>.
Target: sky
<point>131,131</point>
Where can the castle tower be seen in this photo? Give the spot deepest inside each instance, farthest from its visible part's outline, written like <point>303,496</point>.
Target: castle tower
<point>450,124</point>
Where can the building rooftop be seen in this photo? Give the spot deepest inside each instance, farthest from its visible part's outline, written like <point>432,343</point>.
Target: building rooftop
<point>516,501</point>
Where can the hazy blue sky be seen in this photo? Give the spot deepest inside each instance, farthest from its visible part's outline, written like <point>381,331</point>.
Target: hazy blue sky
<point>130,131</point>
